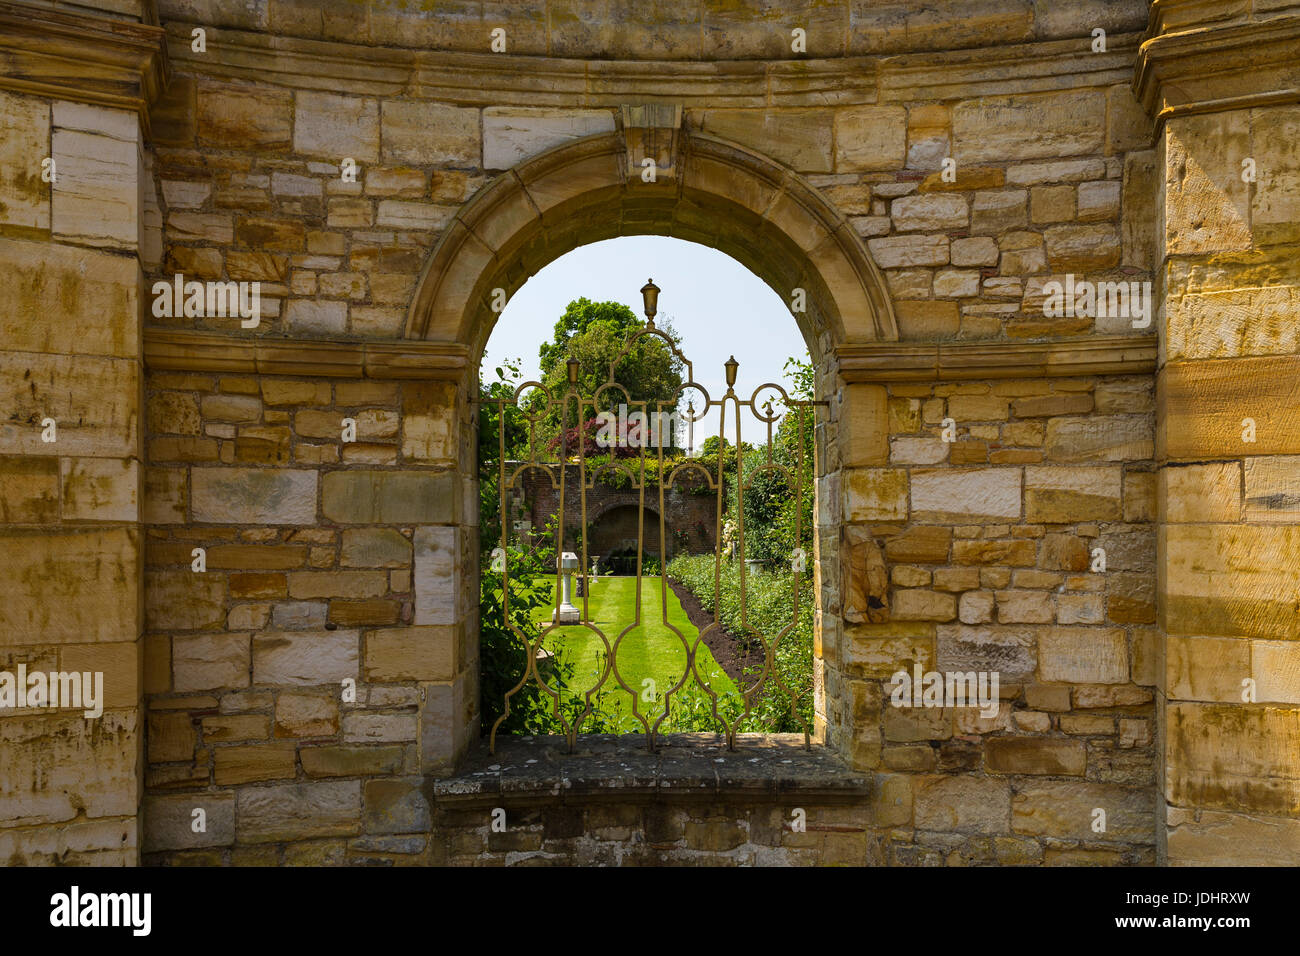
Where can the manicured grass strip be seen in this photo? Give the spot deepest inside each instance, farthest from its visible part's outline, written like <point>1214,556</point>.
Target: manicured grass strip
<point>650,651</point>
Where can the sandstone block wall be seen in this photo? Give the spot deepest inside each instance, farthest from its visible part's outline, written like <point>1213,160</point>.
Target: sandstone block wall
<point>1229,493</point>
<point>71,249</point>
<point>326,563</point>
<point>989,543</point>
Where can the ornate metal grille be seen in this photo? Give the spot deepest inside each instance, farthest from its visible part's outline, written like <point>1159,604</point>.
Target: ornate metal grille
<point>639,480</point>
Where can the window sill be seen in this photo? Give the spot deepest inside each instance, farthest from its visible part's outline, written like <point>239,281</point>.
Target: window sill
<point>687,767</point>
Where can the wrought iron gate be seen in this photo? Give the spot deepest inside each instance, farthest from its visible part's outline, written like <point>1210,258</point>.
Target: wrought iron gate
<point>635,471</point>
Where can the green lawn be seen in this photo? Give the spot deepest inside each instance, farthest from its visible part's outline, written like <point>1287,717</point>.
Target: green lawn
<point>650,651</point>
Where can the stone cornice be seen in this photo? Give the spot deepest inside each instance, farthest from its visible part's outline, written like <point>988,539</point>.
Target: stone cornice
<point>186,351</point>
<point>486,79</point>
<point>72,55</point>
<point>947,361</point>
<point>1205,69</point>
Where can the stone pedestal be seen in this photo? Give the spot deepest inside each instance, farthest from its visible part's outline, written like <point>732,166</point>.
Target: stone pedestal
<point>566,613</point>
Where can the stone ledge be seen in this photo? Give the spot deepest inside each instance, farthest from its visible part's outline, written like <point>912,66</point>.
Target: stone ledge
<point>185,351</point>
<point>934,361</point>
<point>687,767</point>
<point>75,55</point>
<point>481,78</point>
<point>1211,68</point>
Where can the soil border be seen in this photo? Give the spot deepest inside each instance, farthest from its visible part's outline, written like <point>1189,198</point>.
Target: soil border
<point>728,650</point>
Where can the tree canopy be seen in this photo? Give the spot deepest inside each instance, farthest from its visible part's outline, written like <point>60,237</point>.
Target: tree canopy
<point>595,333</point>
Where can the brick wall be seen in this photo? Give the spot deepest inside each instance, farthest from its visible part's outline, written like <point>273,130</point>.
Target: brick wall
<point>612,513</point>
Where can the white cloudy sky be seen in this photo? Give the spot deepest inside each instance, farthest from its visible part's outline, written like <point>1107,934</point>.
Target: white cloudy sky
<point>717,306</point>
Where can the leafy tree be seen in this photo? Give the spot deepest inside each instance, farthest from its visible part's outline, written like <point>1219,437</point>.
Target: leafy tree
<point>772,509</point>
<point>595,333</point>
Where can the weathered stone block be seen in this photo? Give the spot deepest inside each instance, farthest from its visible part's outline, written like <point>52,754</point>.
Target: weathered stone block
<point>253,763</point>
<point>70,587</point>
<point>1040,755</point>
<point>920,544</point>
<point>864,425</point>
<point>1106,438</point>
<point>1069,123</point>
<point>354,761</point>
<point>93,400</point>
<point>513,134</point>
<point>1206,838</point>
<point>363,727</point>
<point>169,821</point>
<point>50,279</point>
<point>411,653</point>
<point>933,212</point>
<point>395,806</point>
<point>870,138</point>
<point>375,548</point>
<point>1083,655</point>
<point>979,494</point>
<point>1273,489</point>
<point>1066,811</point>
<point>962,804</point>
<point>875,494</point>
<point>1232,757</point>
<point>306,715</point>
<point>254,495</point>
<point>336,127</point>
<point>428,417</point>
<point>210,661</point>
<point>95,199</point>
<point>895,252</point>
<point>244,117</point>
<point>1067,495</point>
<point>29,490</point>
<point>305,658</point>
<point>299,811</point>
<point>1010,651</point>
<point>427,134</point>
<point>389,497</point>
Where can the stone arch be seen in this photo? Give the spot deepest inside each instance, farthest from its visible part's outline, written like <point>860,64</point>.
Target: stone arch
<point>722,195</point>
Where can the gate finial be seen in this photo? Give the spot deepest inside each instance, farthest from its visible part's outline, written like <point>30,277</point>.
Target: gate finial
<point>650,294</point>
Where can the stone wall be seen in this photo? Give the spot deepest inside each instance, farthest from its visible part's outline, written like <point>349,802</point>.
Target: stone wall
<point>71,249</point>
<point>990,542</point>
<point>1230,492</point>
<point>1160,690</point>
<point>326,562</point>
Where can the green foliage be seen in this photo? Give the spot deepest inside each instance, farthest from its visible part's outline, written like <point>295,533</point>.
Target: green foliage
<point>777,520</point>
<point>595,333</point>
<point>503,651</point>
<point>506,626</point>
<point>769,608</point>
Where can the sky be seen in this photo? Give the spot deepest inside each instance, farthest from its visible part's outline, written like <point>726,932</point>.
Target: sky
<point>717,307</point>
